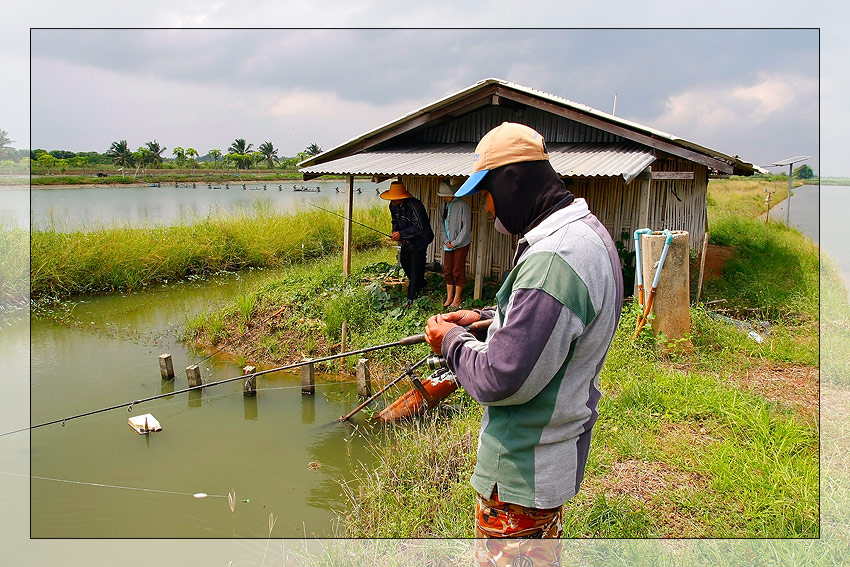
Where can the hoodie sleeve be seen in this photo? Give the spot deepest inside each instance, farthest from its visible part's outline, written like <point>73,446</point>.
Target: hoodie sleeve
<point>544,307</point>
<point>521,357</point>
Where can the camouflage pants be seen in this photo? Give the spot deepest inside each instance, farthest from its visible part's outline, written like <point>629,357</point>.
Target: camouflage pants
<point>509,535</point>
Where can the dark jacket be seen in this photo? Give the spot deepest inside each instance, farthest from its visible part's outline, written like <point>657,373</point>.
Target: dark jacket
<point>411,222</point>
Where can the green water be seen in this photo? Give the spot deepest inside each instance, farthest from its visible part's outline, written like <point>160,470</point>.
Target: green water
<point>280,450</point>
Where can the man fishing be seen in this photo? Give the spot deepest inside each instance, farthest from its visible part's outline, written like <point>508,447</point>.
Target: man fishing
<point>412,229</point>
<point>537,372</point>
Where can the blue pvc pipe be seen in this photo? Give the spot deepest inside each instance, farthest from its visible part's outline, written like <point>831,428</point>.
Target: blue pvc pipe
<point>638,265</point>
<point>667,242</point>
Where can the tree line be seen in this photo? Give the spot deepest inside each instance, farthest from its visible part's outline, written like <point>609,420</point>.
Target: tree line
<point>240,155</point>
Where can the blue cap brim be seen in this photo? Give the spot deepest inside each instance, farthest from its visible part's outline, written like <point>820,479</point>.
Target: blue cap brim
<point>471,185</point>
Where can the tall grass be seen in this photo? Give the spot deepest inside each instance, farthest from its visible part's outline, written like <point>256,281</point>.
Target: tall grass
<point>14,265</point>
<point>744,196</point>
<point>773,268</point>
<point>129,258</point>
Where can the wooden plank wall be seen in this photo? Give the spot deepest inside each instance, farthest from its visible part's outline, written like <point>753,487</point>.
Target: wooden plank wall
<point>498,248</point>
<point>610,199</point>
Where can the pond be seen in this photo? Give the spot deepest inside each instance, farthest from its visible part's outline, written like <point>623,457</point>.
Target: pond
<point>94,477</point>
<point>88,208</point>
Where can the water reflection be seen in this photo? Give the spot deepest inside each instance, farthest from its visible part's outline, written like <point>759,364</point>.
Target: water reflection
<point>250,408</point>
<point>308,408</point>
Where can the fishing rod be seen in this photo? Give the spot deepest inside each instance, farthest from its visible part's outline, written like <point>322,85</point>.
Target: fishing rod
<point>407,372</point>
<point>406,341</point>
<point>429,360</point>
<point>352,220</point>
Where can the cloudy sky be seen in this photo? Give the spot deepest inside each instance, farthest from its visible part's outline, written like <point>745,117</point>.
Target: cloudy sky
<point>756,92</point>
<point>748,92</point>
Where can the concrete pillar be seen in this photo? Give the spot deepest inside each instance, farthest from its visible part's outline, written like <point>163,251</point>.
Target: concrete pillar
<point>364,381</point>
<point>671,305</point>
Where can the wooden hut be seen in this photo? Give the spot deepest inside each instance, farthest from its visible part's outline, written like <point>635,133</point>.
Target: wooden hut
<point>631,175</point>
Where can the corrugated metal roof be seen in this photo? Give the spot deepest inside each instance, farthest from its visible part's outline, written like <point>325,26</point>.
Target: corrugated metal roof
<point>627,159</point>
<point>634,126</point>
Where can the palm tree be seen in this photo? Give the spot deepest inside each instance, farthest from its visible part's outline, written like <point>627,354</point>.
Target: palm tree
<point>240,152</point>
<point>313,149</point>
<point>141,157</point>
<point>192,153</point>
<point>179,155</point>
<point>215,154</point>
<point>4,143</point>
<point>269,153</point>
<point>155,151</point>
<point>120,153</point>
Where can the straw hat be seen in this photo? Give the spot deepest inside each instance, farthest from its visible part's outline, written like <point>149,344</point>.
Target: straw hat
<point>396,191</point>
<point>445,190</point>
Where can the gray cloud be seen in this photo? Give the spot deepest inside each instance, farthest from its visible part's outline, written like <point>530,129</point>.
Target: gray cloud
<point>233,74</point>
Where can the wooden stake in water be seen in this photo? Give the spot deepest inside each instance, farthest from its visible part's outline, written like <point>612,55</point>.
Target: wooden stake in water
<point>193,373</point>
<point>364,381</point>
<point>166,367</point>
<point>249,388</point>
<point>308,378</point>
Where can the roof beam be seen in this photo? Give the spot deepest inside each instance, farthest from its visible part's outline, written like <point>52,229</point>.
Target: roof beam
<point>596,122</point>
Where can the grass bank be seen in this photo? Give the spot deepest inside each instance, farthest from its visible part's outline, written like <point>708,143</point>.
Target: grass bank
<point>123,258</point>
<point>718,441</point>
<point>14,264</point>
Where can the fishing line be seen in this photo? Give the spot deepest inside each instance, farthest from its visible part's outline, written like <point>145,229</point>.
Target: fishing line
<point>352,220</point>
<point>195,495</point>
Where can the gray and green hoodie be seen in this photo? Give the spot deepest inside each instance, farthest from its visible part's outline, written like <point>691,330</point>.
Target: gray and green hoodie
<point>537,373</point>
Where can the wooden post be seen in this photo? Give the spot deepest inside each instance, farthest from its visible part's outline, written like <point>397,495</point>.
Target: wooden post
<point>346,231</point>
<point>250,386</point>
<point>364,381</point>
<point>644,213</point>
<point>308,378</point>
<point>702,266</point>
<point>344,336</point>
<point>166,367</point>
<point>193,373</point>
<point>481,244</point>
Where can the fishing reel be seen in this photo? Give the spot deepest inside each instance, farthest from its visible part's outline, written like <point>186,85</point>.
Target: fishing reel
<point>436,362</point>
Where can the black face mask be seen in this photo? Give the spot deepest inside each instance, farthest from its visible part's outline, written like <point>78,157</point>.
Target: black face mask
<point>525,193</point>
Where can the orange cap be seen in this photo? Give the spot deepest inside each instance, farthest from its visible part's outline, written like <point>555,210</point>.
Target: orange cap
<point>507,143</point>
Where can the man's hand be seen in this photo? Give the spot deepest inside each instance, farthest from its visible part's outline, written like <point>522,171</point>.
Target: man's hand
<point>449,246</point>
<point>462,317</point>
<point>435,330</point>
<point>439,325</point>
<point>396,235</point>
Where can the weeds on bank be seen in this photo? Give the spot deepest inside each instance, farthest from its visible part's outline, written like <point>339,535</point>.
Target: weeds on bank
<point>14,265</point>
<point>67,263</point>
<point>774,269</point>
<point>744,196</point>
